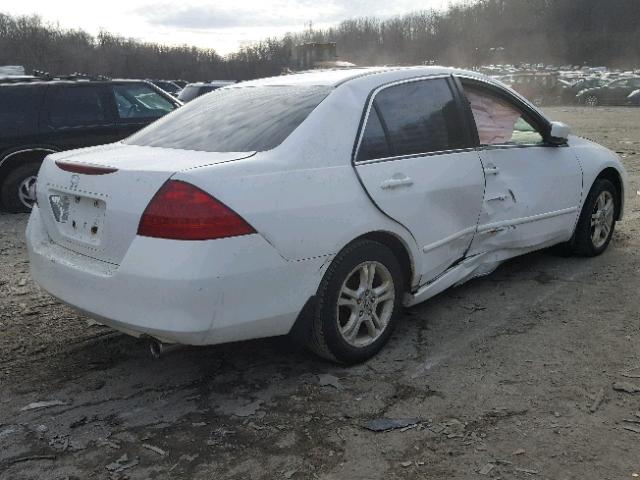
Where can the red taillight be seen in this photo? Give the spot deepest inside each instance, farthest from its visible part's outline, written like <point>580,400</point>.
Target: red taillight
<point>181,211</point>
<point>84,169</point>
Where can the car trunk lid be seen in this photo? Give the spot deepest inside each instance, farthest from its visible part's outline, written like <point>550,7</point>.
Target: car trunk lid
<point>91,200</point>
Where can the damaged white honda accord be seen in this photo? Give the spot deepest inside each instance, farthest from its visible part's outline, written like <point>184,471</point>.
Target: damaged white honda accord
<point>317,203</point>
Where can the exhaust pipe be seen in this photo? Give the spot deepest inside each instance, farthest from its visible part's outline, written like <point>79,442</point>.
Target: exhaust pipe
<point>157,349</point>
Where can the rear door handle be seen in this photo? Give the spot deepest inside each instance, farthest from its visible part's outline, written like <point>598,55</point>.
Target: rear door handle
<point>396,183</point>
<point>491,170</point>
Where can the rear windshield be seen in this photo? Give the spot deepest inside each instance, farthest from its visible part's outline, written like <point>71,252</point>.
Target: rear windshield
<point>234,119</point>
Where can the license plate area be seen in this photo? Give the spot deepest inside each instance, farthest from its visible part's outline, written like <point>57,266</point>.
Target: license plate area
<point>78,217</point>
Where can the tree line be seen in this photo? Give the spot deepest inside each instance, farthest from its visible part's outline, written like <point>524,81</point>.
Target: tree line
<point>476,32</point>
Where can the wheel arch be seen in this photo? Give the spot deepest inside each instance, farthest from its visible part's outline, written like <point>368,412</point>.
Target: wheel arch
<point>23,154</point>
<point>399,248</point>
<point>301,330</point>
<point>611,174</point>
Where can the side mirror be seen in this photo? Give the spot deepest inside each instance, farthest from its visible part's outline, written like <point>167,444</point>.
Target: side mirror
<point>559,134</point>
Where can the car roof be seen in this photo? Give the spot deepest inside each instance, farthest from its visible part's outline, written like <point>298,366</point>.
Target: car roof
<point>338,76</point>
<point>213,83</point>
<point>70,82</point>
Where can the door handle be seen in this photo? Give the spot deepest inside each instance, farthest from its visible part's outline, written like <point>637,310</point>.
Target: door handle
<point>396,183</point>
<point>491,170</point>
<point>499,198</point>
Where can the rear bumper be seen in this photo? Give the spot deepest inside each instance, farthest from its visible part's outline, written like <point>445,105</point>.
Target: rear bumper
<point>196,293</point>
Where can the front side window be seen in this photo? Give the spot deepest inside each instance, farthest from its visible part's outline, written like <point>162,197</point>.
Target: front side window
<point>234,119</point>
<point>415,117</point>
<point>500,122</point>
<point>71,106</point>
<point>140,101</point>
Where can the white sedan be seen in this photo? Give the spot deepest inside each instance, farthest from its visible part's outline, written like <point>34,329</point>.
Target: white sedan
<point>316,204</point>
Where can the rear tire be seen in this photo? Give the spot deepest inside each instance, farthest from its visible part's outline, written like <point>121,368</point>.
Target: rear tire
<point>17,192</point>
<point>358,302</point>
<point>597,220</point>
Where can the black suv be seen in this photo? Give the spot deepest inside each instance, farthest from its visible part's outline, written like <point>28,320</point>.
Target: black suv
<point>41,117</point>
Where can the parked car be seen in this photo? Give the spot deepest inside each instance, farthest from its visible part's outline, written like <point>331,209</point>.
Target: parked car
<point>180,83</point>
<point>634,98</point>
<point>315,204</point>
<point>168,86</point>
<point>42,117</point>
<point>570,90</point>
<point>613,93</point>
<point>542,88</point>
<point>194,90</point>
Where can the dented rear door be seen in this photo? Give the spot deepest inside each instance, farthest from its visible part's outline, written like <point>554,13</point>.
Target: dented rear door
<point>417,166</point>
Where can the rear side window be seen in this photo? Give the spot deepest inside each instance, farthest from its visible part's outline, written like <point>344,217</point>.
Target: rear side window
<point>71,106</point>
<point>234,119</point>
<point>417,117</point>
<point>19,106</point>
<point>140,101</point>
<point>374,141</point>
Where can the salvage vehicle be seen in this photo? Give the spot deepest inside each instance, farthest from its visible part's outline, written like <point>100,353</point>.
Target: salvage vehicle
<point>316,205</point>
<point>539,87</point>
<point>634,98</point>
<point>194,90</point>
<point>41,117</point>
<point>571,90</point>
<point>613,93</point>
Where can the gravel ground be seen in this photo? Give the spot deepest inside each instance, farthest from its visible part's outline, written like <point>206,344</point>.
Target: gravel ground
<point>508,376</point>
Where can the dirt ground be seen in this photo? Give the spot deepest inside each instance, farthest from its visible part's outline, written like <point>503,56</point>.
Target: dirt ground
<point>508,376</point>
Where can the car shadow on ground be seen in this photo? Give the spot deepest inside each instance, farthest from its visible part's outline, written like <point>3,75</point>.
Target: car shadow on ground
<point>110,350</point>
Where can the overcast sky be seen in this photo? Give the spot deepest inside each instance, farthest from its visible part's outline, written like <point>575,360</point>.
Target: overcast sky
<point>220,24</point>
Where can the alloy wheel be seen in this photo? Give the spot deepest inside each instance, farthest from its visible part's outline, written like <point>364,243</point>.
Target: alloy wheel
<point>365,304</point>
<point>602,219</point>
<point>592,101</point>
<point>27,191</point>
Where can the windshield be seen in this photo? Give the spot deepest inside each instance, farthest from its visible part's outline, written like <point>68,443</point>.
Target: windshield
<point>166,86</point>
<point>234,119</point>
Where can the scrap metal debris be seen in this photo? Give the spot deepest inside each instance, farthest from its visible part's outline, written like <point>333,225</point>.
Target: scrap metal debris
<point>627,387</point>
<point>46,404</point>
<point>527,471</point>
<point>487,469</point>
<point>121,464</point>
<point>631,428</point>
<point>155,449</point>
<point>387,424</point>
<point>328,380</point>
<point>628,373</point>
<point>108,443</point>
<point>30,458</point>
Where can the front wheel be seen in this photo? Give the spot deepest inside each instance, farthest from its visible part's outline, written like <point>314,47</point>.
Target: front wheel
<point>597,220</point>
<point>358,303</point>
